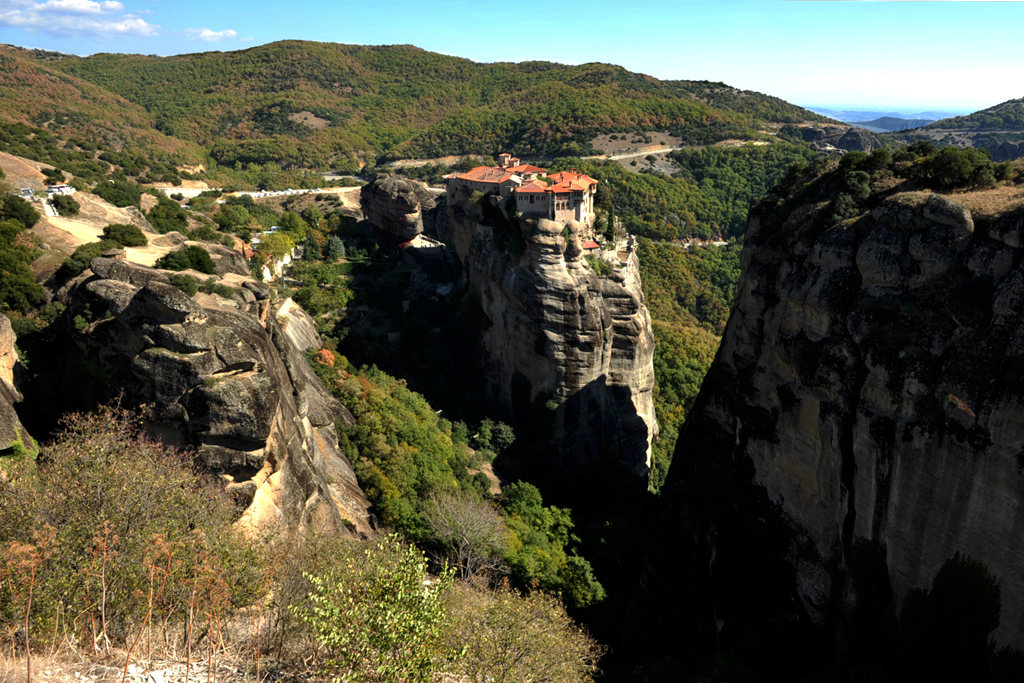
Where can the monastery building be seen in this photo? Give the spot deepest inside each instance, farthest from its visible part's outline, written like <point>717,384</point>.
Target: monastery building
<point>564,196</point>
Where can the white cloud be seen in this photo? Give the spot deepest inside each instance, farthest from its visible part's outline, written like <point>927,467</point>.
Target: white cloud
<point>74,17</point>
<point>211,36</point>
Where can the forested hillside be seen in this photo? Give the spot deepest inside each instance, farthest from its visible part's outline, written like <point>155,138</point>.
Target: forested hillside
<point>80,114</point>
<point>322,104</point>
<point>1007,115</point>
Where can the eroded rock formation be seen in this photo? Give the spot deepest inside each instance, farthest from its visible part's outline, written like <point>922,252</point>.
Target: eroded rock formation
<point>841,137</point>
<point>566,348</point>
<point>394,206</point>
<point>862,423</point>
<point>11,430</point>
<point>221,376</point>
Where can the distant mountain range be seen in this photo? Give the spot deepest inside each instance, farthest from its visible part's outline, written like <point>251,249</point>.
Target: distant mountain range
<point>889,124</point>
<point>859,116</point>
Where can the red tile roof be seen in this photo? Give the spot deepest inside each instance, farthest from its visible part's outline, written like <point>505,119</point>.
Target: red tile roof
<point>573,177</point>
<point>591,244</point>
<point>484,174</point>
<point>533,186</point>
<point>527,168</point>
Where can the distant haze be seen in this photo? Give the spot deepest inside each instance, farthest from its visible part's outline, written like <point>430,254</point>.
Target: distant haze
<point>859,115</point>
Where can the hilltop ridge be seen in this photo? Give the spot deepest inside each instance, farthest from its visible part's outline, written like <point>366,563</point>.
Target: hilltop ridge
<point>319,105</point>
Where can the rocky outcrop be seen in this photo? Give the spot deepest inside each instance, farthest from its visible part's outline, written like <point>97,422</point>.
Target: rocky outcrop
<point>841,137</point>
<point>861,424</point>
<point>12,433</point>
<point>298,326</point>
<point>567,351</point>
<point>394,206</point>
<point>221,376</point>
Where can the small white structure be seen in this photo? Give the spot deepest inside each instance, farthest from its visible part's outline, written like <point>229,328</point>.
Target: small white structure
<point>58,189</point>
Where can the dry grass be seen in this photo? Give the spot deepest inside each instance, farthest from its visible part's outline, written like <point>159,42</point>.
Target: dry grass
<point>990,203</point>
<point>605,145</point>
<point>22,172</point>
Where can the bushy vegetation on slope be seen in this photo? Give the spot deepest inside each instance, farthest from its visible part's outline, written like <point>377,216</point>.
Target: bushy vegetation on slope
<point>689,294</point>
<point>709,197</point>
<point>1005,116</point>
<point>410,462</point>
<point>18,288</point>
<point>395,101</point>
<point>138,560</point>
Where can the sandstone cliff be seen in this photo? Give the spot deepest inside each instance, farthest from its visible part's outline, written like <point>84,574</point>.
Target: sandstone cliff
<point>567,350</point>
<point>395,207</point>
<point>220,375</point>
<point>11,430</point>
<point>862,423</point>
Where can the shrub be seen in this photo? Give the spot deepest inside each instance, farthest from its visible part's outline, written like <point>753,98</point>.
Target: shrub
<point>204,233</point>
<point>211,286</point>
<point>188,258</point>
<point>125,235</point>
<point>599,265</point>
<point>65,205</point>
<point>507,636</point>
<point>20,210</point>
<point>53,175</point>
<point>379,614</point>
<point>168,216</point>
<point>83,256</point>
<point>119,192</point>
<point>185,283</point>
<point>136,533</point>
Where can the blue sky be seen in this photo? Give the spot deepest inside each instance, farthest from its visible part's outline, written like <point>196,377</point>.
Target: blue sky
<point>911,55</point>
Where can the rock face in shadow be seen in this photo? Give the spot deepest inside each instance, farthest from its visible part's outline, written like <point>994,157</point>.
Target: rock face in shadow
<point>568,352</point>
<point>221,376</point>
<point>12,432</point>
<point>862,423</point>
<point>394,206</point>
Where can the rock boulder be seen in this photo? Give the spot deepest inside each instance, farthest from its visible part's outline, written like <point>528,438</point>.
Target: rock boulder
<point>221,376</point>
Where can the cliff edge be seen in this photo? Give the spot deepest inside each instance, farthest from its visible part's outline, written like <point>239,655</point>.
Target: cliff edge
<point>568,351</point>
<point>217,373</point>
<point>861,424</point>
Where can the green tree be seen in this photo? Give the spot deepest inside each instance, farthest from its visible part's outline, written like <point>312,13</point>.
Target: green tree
<point>167,216</point>
<point>275,244</point>
<point>83,256</point>
<point>20,210</point>
<point>187,258</point>
<point>119,192</point>
<point>65,205</point>
<point>335,248</point>
<point>18,288</point>
<point>379,614</point>
<point>125,235</point>
<point>510,637</point>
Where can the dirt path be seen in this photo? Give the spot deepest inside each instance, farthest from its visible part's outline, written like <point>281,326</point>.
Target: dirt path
<point>633,155</point>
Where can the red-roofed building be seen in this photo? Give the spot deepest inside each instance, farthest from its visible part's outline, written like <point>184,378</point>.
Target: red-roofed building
<point>527,171</point>
<point>590,245</point>
<point>488,179</point>
<point>570,197</point>
<point>505,160</point>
